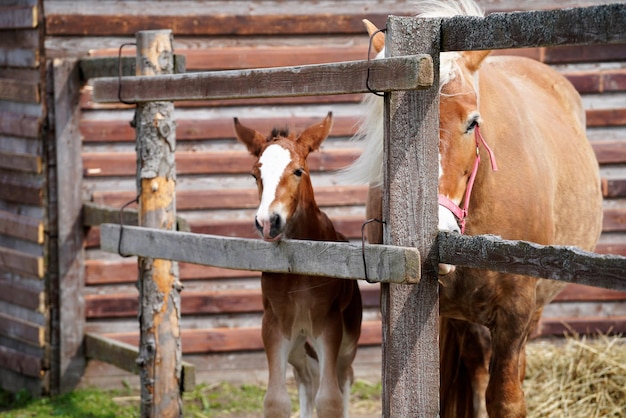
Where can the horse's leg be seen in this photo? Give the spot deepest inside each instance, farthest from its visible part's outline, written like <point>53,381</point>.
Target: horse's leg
<point>306,371</point>
<point>329,400</point>
<point>352,316</point>
<point>505,397</point>
<point>277,402</point>
<point>476,354</point>
<point>465,354</point>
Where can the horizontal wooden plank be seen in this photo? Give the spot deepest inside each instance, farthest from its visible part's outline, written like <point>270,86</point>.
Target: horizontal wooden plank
<point>21,162</point>
<point>397,73</point>
<point>584,326</point>
<point>598,81</point>
<point>19,91</point>
<point>21,263</point>
<point>104,62</point>
<point>614,220</point>
<point>349,226</point>
<point>237,198</point>
<point>16,124</point>
<point>215,18</point>
<point>617,248</point>
<point>22,227</point>
<point>567,264</point>
<point>123,271</point>
<point>94,215</point>
<point>24,331</point>
<point>19,57</point>
<point>606,117</point>
<point>21,363</point>
<point>103,164</point>
<point>341,260</point>
<point>609,152</point>
<point>218,128</point>
<point>215,340</point>
<point>15,292</point>
<point>580,293</point>
<point>18,17</point>
<point>109,65</point>
<point>14,188</point>
<point>613,188</point>
<point>124,356</point>
<point>231,301</point>
<point>590,25</point>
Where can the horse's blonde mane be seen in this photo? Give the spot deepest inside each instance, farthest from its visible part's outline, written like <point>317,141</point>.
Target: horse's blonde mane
<point>368,167</point>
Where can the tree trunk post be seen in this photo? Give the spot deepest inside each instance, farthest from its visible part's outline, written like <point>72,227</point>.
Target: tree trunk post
<point>160,354</point>
<point>411,312</point>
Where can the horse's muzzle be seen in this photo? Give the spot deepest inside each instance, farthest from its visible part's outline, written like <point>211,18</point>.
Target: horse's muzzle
<point>270,230</point>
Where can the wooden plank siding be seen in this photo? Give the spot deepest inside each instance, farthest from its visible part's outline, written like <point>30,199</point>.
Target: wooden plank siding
<point>221,308</point>
<point>24,333</point>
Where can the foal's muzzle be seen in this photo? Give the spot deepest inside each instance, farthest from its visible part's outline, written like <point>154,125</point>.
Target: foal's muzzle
<point>271,229</point>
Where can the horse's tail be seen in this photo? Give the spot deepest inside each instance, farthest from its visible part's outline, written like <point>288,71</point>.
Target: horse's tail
<point>464,355</point>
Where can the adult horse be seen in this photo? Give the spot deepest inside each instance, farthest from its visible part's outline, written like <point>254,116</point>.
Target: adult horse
<point>529,119</point>
<point>313,323</point>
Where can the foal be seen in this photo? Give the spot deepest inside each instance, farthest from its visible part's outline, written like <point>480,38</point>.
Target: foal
<point>313,323</point>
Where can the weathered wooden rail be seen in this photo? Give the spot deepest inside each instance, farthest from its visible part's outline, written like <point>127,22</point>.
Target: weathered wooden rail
<point>410,313</point>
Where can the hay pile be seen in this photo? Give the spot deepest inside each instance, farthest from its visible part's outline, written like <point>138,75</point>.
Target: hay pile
<point>576,377</point>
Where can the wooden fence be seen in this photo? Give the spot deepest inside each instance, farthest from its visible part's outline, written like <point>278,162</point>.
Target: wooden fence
<point>410,313</point>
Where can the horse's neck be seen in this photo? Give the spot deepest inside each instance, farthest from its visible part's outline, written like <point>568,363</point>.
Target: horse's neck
<point>308,221</point>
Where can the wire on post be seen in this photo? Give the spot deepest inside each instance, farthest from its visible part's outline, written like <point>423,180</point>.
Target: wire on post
<point>369,54</point>
<point>369,221</point>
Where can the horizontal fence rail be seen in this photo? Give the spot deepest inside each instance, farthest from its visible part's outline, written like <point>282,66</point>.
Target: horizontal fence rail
<point>602,24</point>
<point>562,263</point>
<point>397,73</point>
<point>388,264</point>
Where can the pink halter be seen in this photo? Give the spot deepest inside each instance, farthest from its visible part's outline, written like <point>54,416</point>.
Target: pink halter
<point>461,213</point>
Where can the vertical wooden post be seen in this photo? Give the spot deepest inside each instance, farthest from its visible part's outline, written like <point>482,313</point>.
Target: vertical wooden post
<point>160,355</point>
<point>411,313</point>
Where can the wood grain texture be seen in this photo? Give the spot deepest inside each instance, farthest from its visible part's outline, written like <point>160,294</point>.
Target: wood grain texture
<point>568,264</point>
<point>591,25</point>
<point>124,356</point>
<point>399,73</point>
<point>411,314</point>
<point>318,258</point>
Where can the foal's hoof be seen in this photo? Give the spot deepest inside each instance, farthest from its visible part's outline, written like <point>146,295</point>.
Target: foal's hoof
<point>446,269</point>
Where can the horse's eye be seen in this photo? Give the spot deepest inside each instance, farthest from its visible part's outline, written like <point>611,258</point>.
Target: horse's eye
<point>298,172</point>
<point>473,124</point>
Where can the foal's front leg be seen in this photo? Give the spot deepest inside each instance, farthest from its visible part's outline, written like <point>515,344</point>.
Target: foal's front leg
<point>329,401</point>
<point>277,403</point>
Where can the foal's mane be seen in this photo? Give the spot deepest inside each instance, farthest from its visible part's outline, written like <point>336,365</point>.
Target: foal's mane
<point>368,167</point>
<point>279,133</point>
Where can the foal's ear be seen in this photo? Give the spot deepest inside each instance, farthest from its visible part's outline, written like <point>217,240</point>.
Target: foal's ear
<point>473,59</point>
<point>252,139</point>
<point>314,135</point>
<point>378,42</point>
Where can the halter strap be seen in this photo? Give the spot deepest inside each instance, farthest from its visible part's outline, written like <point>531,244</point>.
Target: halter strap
<point>461,212</point>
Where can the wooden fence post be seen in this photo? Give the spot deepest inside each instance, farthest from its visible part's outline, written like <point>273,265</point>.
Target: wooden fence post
<point>160,354</point>
<point>411,313</point>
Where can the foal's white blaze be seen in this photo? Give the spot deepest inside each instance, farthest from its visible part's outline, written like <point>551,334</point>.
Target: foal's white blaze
<point>273,163</point>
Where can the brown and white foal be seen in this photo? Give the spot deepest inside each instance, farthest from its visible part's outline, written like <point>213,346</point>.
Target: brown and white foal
<point>313,323</point>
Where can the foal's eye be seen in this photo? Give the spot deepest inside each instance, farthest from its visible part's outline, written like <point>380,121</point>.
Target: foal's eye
<point>298,172</point>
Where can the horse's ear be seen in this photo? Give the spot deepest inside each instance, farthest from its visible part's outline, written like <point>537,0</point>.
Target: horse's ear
<point>314,135</point>
<point>252,139</point>
<point>378,42</point>
<point>473,59</point>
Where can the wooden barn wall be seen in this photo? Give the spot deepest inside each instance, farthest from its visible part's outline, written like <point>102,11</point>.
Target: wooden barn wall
<point>215,193</point>
<point>24,340</point>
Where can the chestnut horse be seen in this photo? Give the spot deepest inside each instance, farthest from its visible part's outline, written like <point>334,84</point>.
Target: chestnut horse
<point>314,323</point>
<point>529,119</point>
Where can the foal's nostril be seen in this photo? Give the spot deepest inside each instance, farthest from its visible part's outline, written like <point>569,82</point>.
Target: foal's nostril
<point>275,221</point>
<point>258,225</point>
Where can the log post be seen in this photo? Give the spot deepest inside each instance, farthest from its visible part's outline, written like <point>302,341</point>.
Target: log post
<point>160,354</point>
<point>411,313</point>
